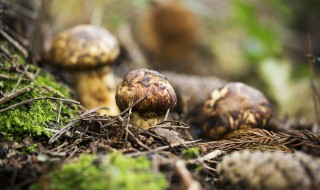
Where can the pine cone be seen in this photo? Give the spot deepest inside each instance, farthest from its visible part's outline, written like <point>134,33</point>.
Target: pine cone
<point>269,170</point>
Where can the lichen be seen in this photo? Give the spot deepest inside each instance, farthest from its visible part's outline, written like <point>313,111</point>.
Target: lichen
<point>113,171</point>
<point>34,118</point>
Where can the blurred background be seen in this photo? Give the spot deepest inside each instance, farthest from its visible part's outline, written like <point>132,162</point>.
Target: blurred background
<point>261,43</point>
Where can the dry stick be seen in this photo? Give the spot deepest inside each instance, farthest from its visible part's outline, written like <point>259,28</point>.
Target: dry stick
<point>21,76</point>
<point>179,123</point>
<point>39,98</point>
<point>59,114</point>
<point>159,125</point>
<point>161,148</point>
<point>4,52</point>
<point>16,36</point>
<point>315,95</point>
<point>127,126</point>
<point>125,111</point>
<point>186,176</point>
<point>14,94</point>
<point>137,140</point>
<point>206,157</point>
<point>4,76</point>
<point>15,44</point>
<point>167,114</point>
<point>58,147</point>
<point>36,99</point>
<point>11,59</point>
<point>73,152</point>
<point>90,132</point>
<point>69,125</point>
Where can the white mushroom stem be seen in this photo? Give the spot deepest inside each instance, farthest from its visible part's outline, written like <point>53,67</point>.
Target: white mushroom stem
<point>145,123</point>
<point>96,89</point>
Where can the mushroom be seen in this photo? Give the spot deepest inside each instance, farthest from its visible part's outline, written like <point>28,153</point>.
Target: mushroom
<point>155,92</point>
<point>234,106</point>
<point>169,30</point>
<point>89,51</point>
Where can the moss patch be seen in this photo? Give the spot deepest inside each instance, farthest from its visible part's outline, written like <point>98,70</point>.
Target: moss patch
<point>112,171</point>
<point>31,119</point>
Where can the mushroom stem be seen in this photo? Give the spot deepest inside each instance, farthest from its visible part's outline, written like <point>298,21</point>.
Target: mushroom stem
<point>145,123</point>
<point>96,89</point>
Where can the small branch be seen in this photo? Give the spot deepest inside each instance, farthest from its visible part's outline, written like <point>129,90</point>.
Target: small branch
<point>59,114</point>
<point>21,76</point>
<point>186,176</point>
<point>36,99</point>
<point>167,114</point>
<point>125,111</point>
<point>14,94</point>
<point>315,94</point>
<point>20,48</point>
<point>137,140</point>
<point>127,127</point>
<point>161,148</point>
<point>16,36</point>
<point>67,127</point>
<point>4,76</point>
<point>206,157</point>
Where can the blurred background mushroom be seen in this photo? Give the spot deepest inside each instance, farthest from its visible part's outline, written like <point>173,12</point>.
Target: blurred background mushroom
<point>232,107</point>
<point>89,52</point>
<point>169,32</point>
<point>153,91</point>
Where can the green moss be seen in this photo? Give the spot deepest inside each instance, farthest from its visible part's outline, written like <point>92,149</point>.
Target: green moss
<point>191,152</point>
<point>31,148</point>
<point>35,117</point>
<point>108,172</point>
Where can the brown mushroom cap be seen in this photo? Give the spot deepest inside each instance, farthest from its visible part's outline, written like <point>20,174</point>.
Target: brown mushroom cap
<point>84,46</point>
<point>141,82</point>
<point>233,107</point>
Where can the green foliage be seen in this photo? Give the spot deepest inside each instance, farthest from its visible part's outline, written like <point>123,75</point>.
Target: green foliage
<point>31,148</point>
<point>35,117</point>
<point>263,27</point>
<point>190,152</point>
<point>108,172</point>
<point>264,41</point>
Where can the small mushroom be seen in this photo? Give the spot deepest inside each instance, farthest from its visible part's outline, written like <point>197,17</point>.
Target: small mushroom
<point>89,52</point>
<point>155,91</point>
<point>234,106</point>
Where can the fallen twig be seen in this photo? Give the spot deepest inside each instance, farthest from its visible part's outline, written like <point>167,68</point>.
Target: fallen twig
<point>14,43</point>
<point>186,176</point>
<point>161,148</point>
<point>68,126</point>
<point>21,76</point>
<point>36,99</point>
<point>15,93</point>
<point>206,157</point>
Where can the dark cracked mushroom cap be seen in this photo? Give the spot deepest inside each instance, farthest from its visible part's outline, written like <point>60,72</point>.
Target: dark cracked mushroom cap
<point>234,106</point>
<point>84,46</point>
<point>137,84</point>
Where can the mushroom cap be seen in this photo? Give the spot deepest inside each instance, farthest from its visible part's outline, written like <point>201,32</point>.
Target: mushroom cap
<point>160,95</point>
<point>234,106</point>
<point>84,46</point>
